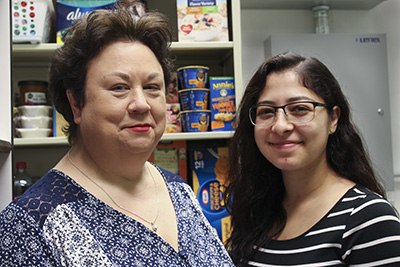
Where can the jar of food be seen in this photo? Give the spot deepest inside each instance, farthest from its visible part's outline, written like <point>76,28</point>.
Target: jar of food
<point>33,92</point>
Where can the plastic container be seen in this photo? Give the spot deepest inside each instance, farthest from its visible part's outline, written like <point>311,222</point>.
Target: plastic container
<point>33,133</point>
<point>33,92</point>
<point>22,180</point>
<point>35,111</point>
<point>193,77</point>
<point>194,99</point>
<point>195,120</point>
<point>34,122</point>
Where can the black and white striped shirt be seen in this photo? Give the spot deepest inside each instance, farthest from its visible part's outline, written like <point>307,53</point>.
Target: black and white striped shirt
<point>361,230</point>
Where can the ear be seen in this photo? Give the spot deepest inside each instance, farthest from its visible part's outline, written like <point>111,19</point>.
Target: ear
<point>76,109</point>
<point>334,119</point>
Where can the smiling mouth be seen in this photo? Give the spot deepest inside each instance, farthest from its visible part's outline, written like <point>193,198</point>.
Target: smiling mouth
<point>285,145</point>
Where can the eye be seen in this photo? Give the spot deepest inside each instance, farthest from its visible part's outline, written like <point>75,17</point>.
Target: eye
<point>300,108</point>
<point>265,111</point>
<point>152,87</point>
<point>120,87</point>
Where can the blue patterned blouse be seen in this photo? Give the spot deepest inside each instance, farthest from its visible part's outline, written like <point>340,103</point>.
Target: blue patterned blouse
<point>58,223</point>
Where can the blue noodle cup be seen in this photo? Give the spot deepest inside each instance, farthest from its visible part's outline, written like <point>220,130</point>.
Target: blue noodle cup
<point>193,77</point>
<point>194,99</point>
<point>195,120</point>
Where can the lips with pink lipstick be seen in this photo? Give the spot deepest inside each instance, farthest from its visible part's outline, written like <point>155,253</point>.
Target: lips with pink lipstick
<point>140,128</point>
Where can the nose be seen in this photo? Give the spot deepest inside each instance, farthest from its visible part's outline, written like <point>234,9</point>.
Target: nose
<point>281,125</point>
<point>138,101</point>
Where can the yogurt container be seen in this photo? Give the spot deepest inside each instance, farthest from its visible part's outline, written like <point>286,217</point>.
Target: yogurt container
<point>194,99</point>
<point>195,120</point>
<point>193,77</point>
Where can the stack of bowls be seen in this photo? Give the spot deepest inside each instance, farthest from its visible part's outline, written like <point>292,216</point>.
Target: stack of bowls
<point>194,98</point>
<point>34,121</point>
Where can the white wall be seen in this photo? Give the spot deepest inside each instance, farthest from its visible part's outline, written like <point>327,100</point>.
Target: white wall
<point>257,25</point>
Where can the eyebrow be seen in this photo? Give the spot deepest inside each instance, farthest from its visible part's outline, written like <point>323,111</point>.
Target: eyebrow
<point>290,100</point>
<point>126,77</point>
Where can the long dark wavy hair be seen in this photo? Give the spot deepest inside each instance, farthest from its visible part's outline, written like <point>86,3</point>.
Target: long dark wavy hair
<point>88,36</point>
<point>256,190</point>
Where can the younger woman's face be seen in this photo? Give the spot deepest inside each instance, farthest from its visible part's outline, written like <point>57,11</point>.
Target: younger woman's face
<point>288,146</point>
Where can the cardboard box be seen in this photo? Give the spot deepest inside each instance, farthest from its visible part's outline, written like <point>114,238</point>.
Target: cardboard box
<point>172,156</point>
<point>173,119</point>
<point>223,105</point>
<point>59,123</point>
<point>202,21</point>
<point>210,169</point>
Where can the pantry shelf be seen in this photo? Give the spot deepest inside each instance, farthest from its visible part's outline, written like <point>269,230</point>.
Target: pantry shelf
<point>62,141</point>
<point>5,147</point>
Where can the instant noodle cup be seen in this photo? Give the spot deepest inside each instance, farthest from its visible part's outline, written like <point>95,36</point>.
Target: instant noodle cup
<point>194,99</point>
<point>195,120</point>
<point>193,77</point>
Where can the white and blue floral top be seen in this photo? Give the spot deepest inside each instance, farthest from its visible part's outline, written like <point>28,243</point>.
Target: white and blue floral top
<point>58,223</point>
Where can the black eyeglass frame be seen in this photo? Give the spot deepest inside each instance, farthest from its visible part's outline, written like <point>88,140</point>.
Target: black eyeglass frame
<point>254,108</point>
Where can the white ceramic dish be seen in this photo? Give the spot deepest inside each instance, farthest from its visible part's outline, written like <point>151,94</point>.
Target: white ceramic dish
<point>32,133</point>
<point>34,122</point>
<point>35,110</point>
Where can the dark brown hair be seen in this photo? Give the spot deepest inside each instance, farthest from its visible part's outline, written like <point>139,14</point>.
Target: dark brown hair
<point>255,194</point>
<point>86,39</point>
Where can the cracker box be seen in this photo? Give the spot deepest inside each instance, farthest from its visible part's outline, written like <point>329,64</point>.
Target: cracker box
<point>202,21</point>
<point>210,169</point>
<point>70,10</point>
<point>172,156</point>
<point>222,102</point>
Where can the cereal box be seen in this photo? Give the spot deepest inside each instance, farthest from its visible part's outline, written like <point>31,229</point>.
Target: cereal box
<point>70,10</point>
<point>222,101</point>
<point>202,21</point>
<point>210,169</point>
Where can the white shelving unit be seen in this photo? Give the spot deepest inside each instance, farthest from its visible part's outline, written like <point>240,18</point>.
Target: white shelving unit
<point>224,59</point>
<point>5,107</point>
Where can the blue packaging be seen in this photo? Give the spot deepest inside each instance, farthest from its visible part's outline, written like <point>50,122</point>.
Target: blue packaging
<point>222,103</point>
<point>195,120</point>
<point>193,77</point>
<point>70,10</point>
<point>192,99</point>
<point>210,169</point>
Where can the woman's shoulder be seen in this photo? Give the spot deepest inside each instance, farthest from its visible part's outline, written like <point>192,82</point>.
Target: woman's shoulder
<point>368,207</point>
<point>169,176</point>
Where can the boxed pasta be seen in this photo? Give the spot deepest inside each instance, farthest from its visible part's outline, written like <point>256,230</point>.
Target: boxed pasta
<point>222,102</point>
<point>202,20</point>
<point>210,169</point>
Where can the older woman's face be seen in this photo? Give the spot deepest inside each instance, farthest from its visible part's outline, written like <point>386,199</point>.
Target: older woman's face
<point>124,100</point>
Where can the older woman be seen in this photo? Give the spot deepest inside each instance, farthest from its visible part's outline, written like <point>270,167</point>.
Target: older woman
<point>303,192</point>
<point>103,204</point>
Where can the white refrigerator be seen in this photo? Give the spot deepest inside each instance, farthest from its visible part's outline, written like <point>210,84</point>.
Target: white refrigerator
<point>359,62</point>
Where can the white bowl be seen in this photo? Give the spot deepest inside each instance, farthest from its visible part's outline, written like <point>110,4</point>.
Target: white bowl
<point>208,34</point>
<point>35,110</point>
<point>34,122</point>
<point>32,133</point>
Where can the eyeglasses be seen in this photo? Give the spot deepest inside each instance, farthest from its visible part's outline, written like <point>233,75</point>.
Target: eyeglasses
<point>298,113</point>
